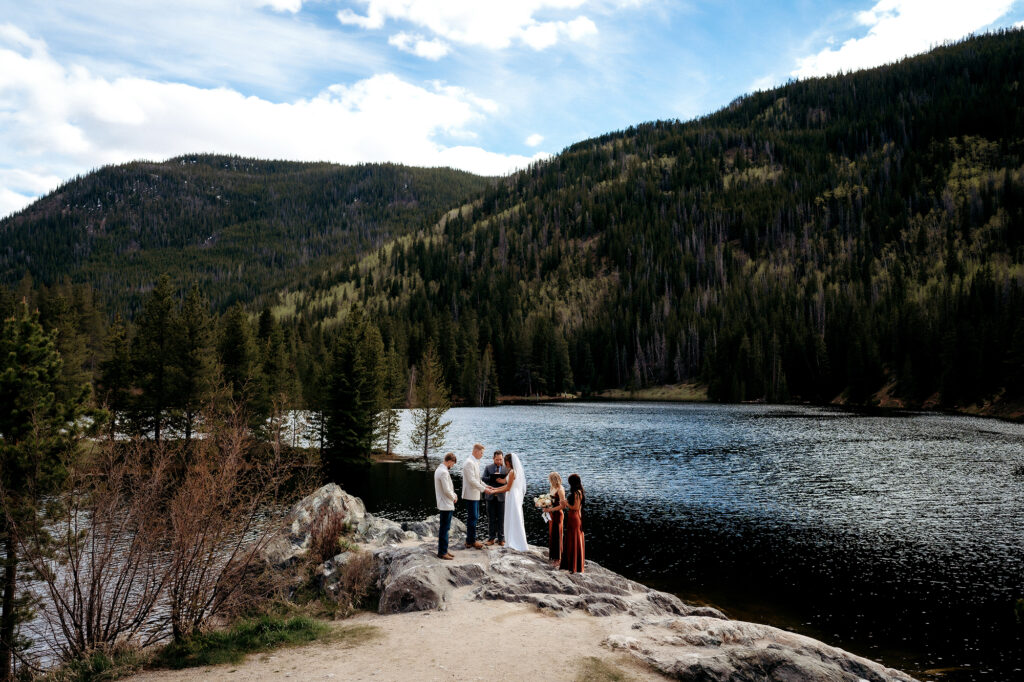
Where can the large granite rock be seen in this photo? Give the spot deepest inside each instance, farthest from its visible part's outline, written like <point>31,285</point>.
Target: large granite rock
<point>428,527</point>
<point>293,541</point>
<point>701,648</point>
<point>380,531</point>
<point>527,577</point>
<point>328,574</point>
<point>414,579</point>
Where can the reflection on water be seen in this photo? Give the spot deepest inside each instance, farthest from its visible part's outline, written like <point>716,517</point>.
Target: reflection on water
<point>897,537</point>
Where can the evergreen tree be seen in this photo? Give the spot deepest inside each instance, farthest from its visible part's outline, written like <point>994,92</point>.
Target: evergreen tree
<point>196,361</point>
<point>431,403</point>
<point>240,362</point>
<point>153,358</point>
<point>58,313</point>
<point>37,433</point>
<point>315,378</point>
<point>353,396</point>
<point>488,385</point>
<point>114,383</point>
<point>469,383</point>
<point>279,376</point>
<point>392,400</point>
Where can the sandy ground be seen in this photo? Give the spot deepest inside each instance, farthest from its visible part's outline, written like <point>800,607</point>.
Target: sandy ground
<point>470,640</point>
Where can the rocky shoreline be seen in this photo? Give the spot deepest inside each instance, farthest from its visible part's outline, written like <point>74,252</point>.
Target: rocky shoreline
<point>678,640</point>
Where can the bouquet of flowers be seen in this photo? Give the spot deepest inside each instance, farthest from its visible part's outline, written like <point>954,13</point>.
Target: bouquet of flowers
<point>542,501</point>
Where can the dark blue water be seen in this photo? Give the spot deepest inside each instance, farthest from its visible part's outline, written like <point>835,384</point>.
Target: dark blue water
<point>897,537</point>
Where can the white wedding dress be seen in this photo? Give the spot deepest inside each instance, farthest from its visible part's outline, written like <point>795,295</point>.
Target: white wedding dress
<point>515,530</point>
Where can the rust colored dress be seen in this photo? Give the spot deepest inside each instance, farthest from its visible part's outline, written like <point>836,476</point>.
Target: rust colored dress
<point>555,530</point>
<point>572,548</point>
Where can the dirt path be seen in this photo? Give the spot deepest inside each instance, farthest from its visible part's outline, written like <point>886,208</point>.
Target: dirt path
<point>472,640</point>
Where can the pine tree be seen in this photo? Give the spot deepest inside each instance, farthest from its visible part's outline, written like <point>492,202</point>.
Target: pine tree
<point>353,396</point>
<point>195,359</point>
<point>57,313</point>
<point>279,377</point>
<point>38,431</point>
<point>431,403</point>
<point>153,350</point>
<point>488,386</point>
<point>392,400</point>
<point>114,383</point>
<point>240,362</point>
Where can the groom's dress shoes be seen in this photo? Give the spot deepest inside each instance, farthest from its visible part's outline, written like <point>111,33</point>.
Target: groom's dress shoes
<point>475,545</point>
<point>490,542</point>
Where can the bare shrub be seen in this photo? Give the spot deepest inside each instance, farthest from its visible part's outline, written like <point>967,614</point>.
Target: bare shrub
<point>223,514</point>
<point>325,535</point>
<point>150,539</point>
<point>357,581</point>
<point>101,563</point>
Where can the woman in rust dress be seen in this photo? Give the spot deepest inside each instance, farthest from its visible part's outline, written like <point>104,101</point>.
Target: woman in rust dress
<point>557,493</point>
<point>572,546</point>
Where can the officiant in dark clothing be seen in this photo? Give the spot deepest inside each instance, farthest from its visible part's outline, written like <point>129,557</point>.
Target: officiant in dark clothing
<point>494,476</point>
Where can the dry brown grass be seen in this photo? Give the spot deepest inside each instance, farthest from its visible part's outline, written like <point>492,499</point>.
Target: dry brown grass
<point>325,535</point>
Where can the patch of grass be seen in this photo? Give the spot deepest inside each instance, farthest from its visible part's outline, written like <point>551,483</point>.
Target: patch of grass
<point>593,669</point>
<point>244,637</point>
<point>671,392</point>
<point>100,666</point>
<point>353,635</point>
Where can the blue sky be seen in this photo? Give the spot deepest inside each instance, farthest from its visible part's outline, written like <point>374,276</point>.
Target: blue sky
<point>484,85</point>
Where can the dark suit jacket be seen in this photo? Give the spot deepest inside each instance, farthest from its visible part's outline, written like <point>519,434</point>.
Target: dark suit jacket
<point>491,476</point>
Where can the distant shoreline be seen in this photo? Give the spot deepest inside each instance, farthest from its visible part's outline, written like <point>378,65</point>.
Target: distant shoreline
<point>1009,411</point>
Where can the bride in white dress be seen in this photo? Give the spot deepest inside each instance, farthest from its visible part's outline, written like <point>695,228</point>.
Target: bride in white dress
<point>515,492</point>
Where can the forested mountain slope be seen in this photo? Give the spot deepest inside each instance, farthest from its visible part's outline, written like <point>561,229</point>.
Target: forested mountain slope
<point>825,240</point>
<point>238,227</point>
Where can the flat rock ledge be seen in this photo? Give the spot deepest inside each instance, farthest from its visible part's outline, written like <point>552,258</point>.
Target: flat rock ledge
<point>680,640</point>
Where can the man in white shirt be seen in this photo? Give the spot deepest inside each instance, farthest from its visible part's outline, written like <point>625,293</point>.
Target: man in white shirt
<point>445,492</point>
<point>472,486</point>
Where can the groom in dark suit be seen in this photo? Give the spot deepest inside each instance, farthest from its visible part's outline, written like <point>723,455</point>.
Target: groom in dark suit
<point>494,476</point>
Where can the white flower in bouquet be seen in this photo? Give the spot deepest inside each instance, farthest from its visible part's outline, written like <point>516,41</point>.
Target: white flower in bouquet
<point>542,500</point>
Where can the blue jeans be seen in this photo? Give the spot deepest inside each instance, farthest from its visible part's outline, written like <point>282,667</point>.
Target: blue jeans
<point>442,532</point>
<point>472,514</point>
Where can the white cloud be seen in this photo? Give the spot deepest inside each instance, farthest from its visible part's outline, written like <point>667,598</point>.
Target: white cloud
<point>763,83</point>
<point>534,140</point>
<point>59,120</point>
<point>12,202</point>
<point>27,182</point>
<point>496,24</point>
<point>902,27</point>
<point>254,44</point>
<point>292,6</point>
<point>416,44</point>
<point>1019,24</point>
<point>579,28</point>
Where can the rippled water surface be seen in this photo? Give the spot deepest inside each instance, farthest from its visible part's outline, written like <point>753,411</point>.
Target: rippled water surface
<point>898,537</point>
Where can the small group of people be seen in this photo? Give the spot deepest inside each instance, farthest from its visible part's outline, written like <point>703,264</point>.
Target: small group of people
<point>503,487</point>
